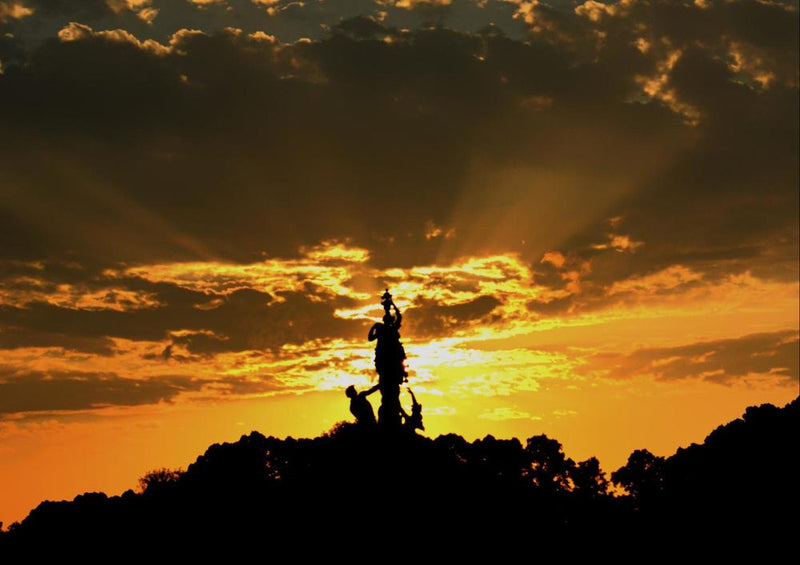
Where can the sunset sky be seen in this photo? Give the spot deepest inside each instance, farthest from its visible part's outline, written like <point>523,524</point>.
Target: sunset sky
<point>587,212</point>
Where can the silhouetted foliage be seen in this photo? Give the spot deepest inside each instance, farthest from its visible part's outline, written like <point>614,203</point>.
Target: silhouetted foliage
<point>380,486</point>
<point>642,476</point>
<point>549,469</point>
<point>588,479</point>
<point>159,479</point>
<point>741,482</point>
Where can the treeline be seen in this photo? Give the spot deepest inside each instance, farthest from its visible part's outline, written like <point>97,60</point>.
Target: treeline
<point>368,488</point>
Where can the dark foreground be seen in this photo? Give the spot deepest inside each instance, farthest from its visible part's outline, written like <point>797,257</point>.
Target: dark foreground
<point>353,490</point>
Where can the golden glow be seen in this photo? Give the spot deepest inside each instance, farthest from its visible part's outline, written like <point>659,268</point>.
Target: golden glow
<point>658,88</point>
<point>750,63</point>
<point>142,8</point>
<point>595,10</point>
<point>15,10</point>
<point>76,297</point>
<point>600,245</point>
<point>329,266</point>
<point>510,372</point>
<point>76,32</point>
<point>411,4</point>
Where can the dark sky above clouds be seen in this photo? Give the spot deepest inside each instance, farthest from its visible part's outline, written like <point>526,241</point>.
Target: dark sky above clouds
<point>190,134</point>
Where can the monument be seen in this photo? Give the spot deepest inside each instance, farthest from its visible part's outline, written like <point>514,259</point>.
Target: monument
<point>390,359</point>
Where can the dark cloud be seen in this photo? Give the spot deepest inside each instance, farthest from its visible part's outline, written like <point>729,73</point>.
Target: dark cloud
<point>256,385</point>
<point>218,144</point>
<point>563,305</point>
<point>288,130</point>
<point>432,319</point>
<point>245,319</point>
<point>57,390</point>
<point>36,391</point>
<point>727,202</point>
<point>287,19</point>
<point>15,338</point>
<point>774,353</point>
<point>340,363</point>
<point>19,275</point>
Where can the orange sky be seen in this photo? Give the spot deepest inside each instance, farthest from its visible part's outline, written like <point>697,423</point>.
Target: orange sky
<point>598,382</point>
<point>587,212</point>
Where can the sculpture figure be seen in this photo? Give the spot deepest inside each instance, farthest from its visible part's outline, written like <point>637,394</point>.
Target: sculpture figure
<point>390,359</point>
<point>389,362</point>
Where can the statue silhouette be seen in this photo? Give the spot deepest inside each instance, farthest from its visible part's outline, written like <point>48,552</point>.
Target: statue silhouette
<point>389,363</point>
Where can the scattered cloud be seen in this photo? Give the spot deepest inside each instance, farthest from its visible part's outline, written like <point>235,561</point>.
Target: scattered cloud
<point>773,354</point>
<point>507,413</point>
<point>34,391</point>
<point>666,280</point>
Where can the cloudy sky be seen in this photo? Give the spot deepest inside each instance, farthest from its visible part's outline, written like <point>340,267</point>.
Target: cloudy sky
<point>587,211</point>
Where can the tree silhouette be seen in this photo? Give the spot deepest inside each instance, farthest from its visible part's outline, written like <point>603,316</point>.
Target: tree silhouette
<point>588,479</point>
<point>159,479</point>
<point>549,468</point>
<point>642,476</point>
<point>739,485</point>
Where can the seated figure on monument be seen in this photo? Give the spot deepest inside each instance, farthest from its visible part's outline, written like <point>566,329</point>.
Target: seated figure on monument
<point>360,406</point>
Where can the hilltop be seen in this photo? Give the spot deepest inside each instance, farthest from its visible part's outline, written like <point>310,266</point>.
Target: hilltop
<point>361,485</point>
